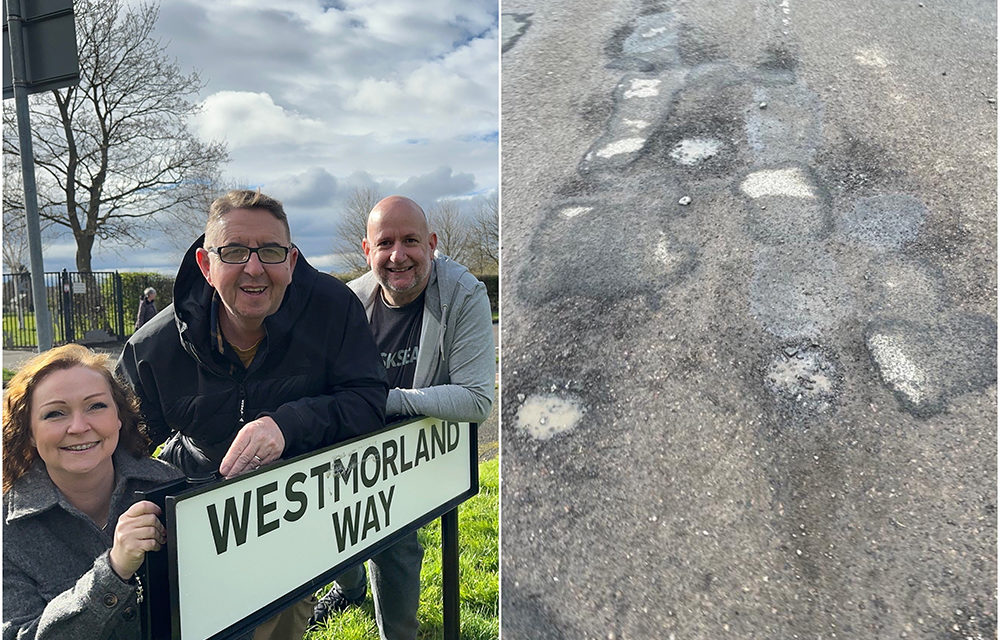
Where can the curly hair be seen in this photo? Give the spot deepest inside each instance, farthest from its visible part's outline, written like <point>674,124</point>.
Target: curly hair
<point>18,452</point>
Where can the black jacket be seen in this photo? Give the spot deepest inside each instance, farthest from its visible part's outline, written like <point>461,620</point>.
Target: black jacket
<point>317,372</point>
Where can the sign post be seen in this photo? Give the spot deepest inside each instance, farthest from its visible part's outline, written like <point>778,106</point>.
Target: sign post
<point>39,47</point>
<point>449,570</point>
<point>242,550</point>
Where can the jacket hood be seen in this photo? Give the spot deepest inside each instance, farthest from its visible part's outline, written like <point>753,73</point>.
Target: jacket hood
<point>193,304</point>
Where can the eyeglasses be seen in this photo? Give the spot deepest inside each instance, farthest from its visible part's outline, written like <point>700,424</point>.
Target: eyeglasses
<point>238,254</point>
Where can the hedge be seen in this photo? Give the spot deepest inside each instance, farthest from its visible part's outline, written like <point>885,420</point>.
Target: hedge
<point>134,283</point>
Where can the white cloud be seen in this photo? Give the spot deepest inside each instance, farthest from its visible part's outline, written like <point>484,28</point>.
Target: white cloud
<point>441,182</point>
<point>456,94</point>
<point>58,251</point>
<point>317,97</point>
<point>328,262</point>
<point>242,118</point>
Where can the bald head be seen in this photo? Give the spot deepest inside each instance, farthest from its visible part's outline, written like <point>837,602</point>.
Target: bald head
<point>399,247</point>
<point>399,208</point>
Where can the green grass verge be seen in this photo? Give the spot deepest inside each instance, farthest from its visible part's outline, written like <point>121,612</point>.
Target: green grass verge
<point>478,531</point>
<point>26,335</point>
<point>18,336</point>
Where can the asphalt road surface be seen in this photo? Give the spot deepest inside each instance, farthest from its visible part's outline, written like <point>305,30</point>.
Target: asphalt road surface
<point>749,319</point>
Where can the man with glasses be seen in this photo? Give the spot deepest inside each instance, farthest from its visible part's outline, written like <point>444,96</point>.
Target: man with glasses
<point>262,356</point>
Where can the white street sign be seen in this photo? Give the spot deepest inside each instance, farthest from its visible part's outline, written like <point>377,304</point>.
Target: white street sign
<point>247,542</point>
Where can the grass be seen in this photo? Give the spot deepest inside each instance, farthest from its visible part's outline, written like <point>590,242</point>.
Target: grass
<point>11,324</point>
<point>22,337</point>
<point>478,530</point>
<point>26,336</point>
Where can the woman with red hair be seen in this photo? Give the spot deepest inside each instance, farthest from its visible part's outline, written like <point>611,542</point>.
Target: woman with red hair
<point>74,453</point>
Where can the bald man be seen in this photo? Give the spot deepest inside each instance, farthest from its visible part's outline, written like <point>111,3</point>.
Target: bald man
<point>432,324</point>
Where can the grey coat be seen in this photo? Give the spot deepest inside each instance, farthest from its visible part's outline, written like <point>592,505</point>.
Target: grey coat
<point>456,362</point>
<point>147,309</point>
<point>57,578</point>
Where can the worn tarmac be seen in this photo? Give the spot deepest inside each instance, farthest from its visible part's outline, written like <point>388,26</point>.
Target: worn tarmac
<point>749,320</point>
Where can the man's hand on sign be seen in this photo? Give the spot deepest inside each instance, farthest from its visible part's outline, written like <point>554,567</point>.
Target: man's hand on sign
<point>257,443</point>
<point>138,531</point>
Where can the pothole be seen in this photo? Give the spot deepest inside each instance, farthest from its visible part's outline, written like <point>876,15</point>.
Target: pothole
<point>572,212</point>
<point>643,88</point>
<point>898,368</point>
<point>655,36</point>
<point>637,125</point>
<point>802,374</point>
<point>626,145</point>
<point>693,150</point>
<point>885,222</point>
<point>512,27</point>
<point>543,416</point>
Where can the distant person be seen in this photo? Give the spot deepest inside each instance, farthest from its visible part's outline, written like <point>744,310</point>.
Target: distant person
<point>74,453</point>
<point>432,323</point>
<point>147,307</point>
<point>259,357</point>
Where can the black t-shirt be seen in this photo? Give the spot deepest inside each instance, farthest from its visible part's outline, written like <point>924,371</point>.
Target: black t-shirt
<point>397,334</point>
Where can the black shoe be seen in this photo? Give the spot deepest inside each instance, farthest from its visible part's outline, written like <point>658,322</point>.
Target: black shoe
<point>334,601</point>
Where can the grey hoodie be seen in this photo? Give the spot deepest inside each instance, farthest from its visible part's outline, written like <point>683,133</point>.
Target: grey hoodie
<point>456,362</point>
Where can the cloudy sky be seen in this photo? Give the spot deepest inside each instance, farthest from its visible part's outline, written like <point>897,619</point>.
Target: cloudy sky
<point>320,97</point>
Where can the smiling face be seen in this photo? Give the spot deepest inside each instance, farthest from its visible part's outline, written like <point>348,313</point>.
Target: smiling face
<point>253,290</point>
<point>399,248</point>
<point>74,423</point>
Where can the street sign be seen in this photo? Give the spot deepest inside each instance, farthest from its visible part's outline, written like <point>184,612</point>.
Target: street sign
<point>244,549</point>
<point>50,54</point>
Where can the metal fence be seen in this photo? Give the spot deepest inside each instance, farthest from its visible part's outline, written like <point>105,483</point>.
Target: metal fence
<point>85,307</point>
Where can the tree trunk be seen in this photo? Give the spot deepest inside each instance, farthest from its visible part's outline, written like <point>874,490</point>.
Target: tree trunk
<point>84,248</point>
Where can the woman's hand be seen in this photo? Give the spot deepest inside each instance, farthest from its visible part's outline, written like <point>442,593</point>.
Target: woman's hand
<point>138,530</point>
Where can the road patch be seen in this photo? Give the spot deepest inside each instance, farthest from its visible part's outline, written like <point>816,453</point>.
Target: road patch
<point>791,182</point>
<point>545,416</point>
<point>885,222</point>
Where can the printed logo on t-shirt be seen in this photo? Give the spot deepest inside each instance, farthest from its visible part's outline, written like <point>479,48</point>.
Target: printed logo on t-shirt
<point>400,358</point>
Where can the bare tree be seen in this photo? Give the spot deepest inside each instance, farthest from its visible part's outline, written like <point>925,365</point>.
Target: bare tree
<point>15,232</point>
<point>351,228</point>
<point>486,235</point>
<point>182,225</point>
<point>15,243</point>
<point>452,229</point>
<point>114,152</point>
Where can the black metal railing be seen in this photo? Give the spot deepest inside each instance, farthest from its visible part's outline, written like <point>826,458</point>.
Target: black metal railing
<point>85,307</point>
